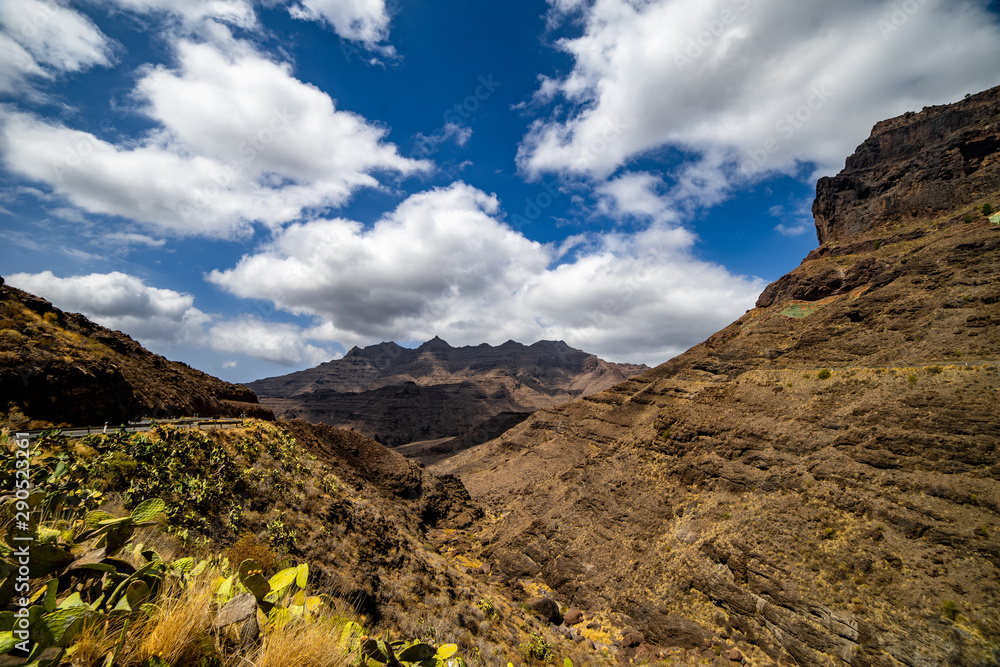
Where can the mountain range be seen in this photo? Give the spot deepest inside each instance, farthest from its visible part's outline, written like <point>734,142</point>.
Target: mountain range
<point>400,395</point>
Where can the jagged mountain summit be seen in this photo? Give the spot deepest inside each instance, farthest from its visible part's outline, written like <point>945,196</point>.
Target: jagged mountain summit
<point>59,368</point>
<point>399,395</point>
<point>819,482</point>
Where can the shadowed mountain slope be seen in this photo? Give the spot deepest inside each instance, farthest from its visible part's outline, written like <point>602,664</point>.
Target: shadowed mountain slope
<point>399,395</point>
<point>819,482</point>
<point>60,368</point>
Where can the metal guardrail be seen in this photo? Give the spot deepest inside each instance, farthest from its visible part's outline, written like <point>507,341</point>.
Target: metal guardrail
<point>142,426</point>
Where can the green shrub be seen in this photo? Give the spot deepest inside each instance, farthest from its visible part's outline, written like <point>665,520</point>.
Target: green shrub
<point>987,209</point>
<point>912,379</point>
<point>824,374</point>
<point>949,609</point>
<point>488,608</point>
<point>968,218</point>
<point>537,648</point>
<point>281,535</point>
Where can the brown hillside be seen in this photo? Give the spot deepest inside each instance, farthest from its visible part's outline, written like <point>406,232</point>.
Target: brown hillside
<point>60,368</point>
<point>819,482</point>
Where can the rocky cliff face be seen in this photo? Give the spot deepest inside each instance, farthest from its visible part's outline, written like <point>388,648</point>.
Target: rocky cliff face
<point>60,368</point>
<point>918,165</point>
<point>399,395</point>
<point>817,483</point>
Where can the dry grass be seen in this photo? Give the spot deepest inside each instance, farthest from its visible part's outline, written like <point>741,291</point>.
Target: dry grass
<point>314,644</point>
<point>95,642</point>
<point>181,632</point>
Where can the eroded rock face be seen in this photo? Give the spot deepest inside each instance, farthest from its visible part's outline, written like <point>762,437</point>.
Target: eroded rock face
<point>817,483</point>
<point>940,160</point>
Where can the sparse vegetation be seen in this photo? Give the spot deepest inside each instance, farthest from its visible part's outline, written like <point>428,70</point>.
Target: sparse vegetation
<point>537,648</point>
<point>488,608</point>
<point>824,374</point>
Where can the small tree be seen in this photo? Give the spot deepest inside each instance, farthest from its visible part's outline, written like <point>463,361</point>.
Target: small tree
<point>987,209</point>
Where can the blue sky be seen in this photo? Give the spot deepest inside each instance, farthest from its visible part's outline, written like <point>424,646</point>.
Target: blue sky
<point>256,187</point>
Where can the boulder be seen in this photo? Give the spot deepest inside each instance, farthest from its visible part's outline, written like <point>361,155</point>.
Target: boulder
<point>546,608</point>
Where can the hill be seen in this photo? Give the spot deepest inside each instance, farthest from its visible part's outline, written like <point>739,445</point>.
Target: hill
<point>60,368</point>
<point>398,395</point>
<point>817,483</point>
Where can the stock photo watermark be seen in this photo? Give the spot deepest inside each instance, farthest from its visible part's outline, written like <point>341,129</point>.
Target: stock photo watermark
<point>21,541</point>
<point>248,150</point>
<point>454,116</point>
<point>695,47</point>
<point>785,128</point>
<point>900,15</point>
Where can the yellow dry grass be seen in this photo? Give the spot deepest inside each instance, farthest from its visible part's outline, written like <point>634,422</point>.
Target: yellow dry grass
<point>314,644</point>
<point>181,632</point>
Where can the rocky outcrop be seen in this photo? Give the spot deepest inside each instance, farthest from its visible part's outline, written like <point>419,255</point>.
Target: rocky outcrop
<point>817,483</point>
<point>398,395</point>
<point>60,368</point>
<point>941,160</point>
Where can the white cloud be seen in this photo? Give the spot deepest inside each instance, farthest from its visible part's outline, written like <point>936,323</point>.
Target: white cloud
<point>360,20</point>
<point>166,320</point>
<point>239,140</point>
<point>443,263</point>
<point>277,342</point>
<point>195,13</point>
<point>635,194</point>
<point>751,85</point>
<point>41,38</point>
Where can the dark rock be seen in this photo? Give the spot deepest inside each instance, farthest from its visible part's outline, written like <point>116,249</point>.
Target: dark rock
<point>917,164</point>
<point>546,608</point>
<point>735,655</point>
<point>632,639</point>
<point>573,616</point>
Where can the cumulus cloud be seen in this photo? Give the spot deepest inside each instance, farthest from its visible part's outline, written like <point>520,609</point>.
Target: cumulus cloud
<point>40,39</point>
<point>166,319</point>
<point>360,20</point>
<point>239,139</point>
<point>747,87</point>
<point>444,263</point>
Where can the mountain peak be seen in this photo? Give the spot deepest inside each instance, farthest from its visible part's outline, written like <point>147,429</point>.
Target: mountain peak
<point>436,343</point>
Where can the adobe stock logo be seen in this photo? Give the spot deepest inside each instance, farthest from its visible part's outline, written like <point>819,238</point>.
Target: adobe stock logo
<point>899,16</point>
<point>786,127</point>
<point>696,46</point>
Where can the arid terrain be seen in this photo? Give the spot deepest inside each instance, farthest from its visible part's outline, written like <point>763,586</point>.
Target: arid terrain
<point>819,482</point>
<point>399,395</point>
<point>61,369</point>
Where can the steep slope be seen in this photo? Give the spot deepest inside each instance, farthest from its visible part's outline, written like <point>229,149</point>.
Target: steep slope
<point>62,369</point>
<point>819,482</point>
<point>399,395</point>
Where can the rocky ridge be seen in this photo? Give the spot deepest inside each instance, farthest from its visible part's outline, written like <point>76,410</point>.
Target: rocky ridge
<point>399,395</point>
<point>59,368</point>
<point>817,483</point>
